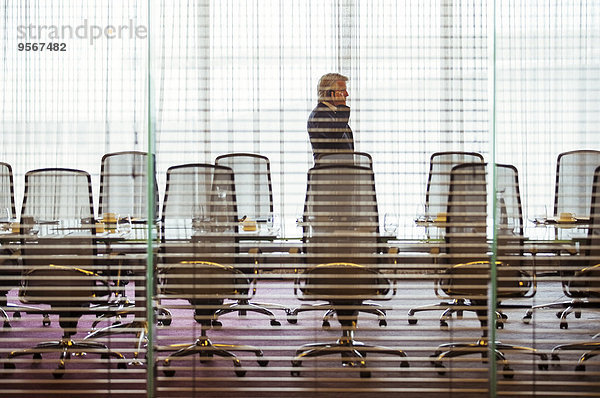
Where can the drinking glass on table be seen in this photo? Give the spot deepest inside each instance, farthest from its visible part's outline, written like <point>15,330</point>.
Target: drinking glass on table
<point>390,224</point>
<point>273,225</point>
<point>124,225</point>
<point>5,219</point>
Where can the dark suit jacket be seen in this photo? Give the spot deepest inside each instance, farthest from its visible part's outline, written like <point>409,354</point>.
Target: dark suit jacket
<point>329,130</point>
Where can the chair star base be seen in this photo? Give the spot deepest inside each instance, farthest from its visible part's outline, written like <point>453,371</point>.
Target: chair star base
<point>207,349</point>
<point>453,350</point>
<point>243,306</point>
<point>353,353</point>
<point>569,306</point>
<point>591,349</point>
<point>67,346</point>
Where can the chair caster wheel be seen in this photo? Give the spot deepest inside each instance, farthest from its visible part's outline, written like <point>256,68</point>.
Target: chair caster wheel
<point>60,372</point>
<point>404,364</point>
<point>527,319</point>
<point>293,319</point>
<point>564,325</point>
<point>168,372</point>
<point>443,325</point>
<point>216,324</point>
<point>262,362</point>
<point>295,364</point>
<point>163,317</point>
<point>121,365</point>
<point>580,368</point>
<point>326,325</point>
<point>559,314</point>
<point>37,355</point>
<point>9,365</point>
<point>382,323</point>
<point>441,370</point>
<point>508,373</point>
<point>17,314</point>
<point>46,321</point>
<point>240,372</point>
<point>6,324</point>
<point>275,322</point>
<point>578,314</point>
<point>412,321</point>
<point>543,366</point>
<point>499,324</point>
<point>504,316</point>
<point>365,374</point>
<point>555,357</point>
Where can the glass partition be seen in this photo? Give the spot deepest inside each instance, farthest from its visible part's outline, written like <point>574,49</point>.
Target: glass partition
<point>169,224</point>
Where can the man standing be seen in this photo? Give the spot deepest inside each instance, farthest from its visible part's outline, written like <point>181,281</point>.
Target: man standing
<point>327,124</point>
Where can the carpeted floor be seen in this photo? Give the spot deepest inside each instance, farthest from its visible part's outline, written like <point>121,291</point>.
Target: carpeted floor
<point>466,376</point>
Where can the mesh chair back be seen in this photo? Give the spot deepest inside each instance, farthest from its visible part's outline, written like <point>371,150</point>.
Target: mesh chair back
<point>438,183</point>
<point>593,251</point>
<point>58,208</point>
<point>7,193</point>
<point>466,236</point>
<point>341,220</point>
<point>466,220</point>
<point>124,185</point>
<point>57,199</point>
<point>585,282</point>
<point>591,274</point>
<point>574,175</point>
<point>351,158</point>
<point>252,175</point>
<point>199,217</point>
<point>510,214</point>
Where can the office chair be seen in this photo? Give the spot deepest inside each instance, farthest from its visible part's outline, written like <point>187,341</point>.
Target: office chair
<point>343,258</point>
<point>59,258</point>
<point>352,158</point>
<point>573,194</point>
<point>199,234</point>
<point>253,188</point>
<point>328,205</point>
<point>573,188</point>
<point>123,195</point>
<point>254,197</point>
<point>585,280</point>
<point>10,271</point>
<point>583,284</point>
<point>124,186</point>
<point>467,247</point>
<point>342,158</point>
<point>436,199</point>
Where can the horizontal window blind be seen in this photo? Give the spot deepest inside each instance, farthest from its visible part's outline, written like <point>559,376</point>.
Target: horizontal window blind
<point>270,198</point>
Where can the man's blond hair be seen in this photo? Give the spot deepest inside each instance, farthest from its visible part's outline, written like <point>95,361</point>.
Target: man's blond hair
<point>326,83</point>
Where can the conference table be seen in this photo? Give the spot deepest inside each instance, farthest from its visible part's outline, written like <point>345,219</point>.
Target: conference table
<point>409,254</point>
